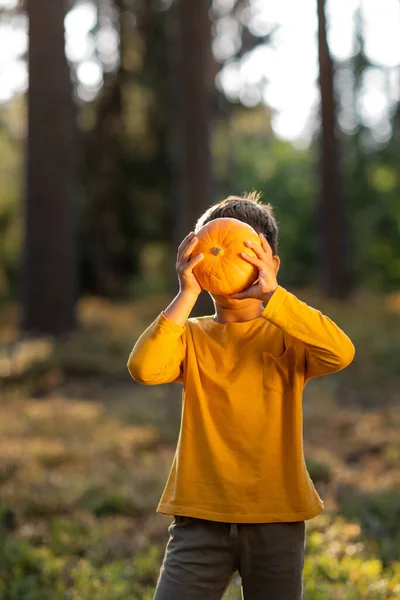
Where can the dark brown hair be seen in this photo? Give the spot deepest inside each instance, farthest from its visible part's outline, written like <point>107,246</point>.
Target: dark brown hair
<point>247,208</point>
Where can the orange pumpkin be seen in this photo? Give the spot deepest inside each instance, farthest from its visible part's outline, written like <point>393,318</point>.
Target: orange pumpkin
<point>223,271</point>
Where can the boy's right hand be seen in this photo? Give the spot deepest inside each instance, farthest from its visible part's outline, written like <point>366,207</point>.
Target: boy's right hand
<point>184,266</point>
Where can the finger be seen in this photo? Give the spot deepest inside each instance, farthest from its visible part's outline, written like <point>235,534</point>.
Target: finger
<point>238,296</point>
<point>265,244</point>
<point>184,242</point>
<point>255,261</point>
<point>196,259</point>
<point>250,292</point>
<point>189,235</point>
<point>257,250</point>
<point>187,248</point>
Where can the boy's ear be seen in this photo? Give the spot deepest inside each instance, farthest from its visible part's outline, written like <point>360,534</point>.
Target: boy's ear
<point>277,263</point>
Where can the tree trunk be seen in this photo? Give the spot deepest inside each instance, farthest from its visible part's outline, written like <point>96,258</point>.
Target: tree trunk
<point>106,191</point>
<point>195,102</point>
<point>332,226</point>
<point>49,286</point>
<point>175,132</point>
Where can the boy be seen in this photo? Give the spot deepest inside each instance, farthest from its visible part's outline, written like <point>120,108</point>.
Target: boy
<point>238,488</point>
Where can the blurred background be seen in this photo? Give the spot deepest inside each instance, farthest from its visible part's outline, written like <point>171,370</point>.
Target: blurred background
<point>121,121</point>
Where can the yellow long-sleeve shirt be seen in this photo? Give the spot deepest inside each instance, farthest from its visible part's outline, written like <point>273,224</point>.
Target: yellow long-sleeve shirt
<point>239,455</point>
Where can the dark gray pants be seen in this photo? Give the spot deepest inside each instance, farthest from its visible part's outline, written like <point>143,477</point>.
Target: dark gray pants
<point>202,556</point>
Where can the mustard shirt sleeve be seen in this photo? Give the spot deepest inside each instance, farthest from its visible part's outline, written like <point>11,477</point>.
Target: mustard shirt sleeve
<point>327,347</point>
<point>158,354</point>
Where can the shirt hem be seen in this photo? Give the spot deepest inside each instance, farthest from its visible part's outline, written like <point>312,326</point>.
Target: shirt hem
<point>310,513</point>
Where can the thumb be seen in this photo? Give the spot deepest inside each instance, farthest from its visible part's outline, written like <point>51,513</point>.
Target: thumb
<point>237,296</point>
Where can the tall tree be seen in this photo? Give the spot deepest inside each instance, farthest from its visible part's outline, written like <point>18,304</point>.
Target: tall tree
<point>49,288</point>
<point>332,223</point>
<point>126,154</point>
<point>195,32</point>
<point>193,60</point>
<point>103,244</point>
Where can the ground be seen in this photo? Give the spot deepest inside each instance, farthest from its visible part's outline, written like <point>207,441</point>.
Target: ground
<point>85,452</point>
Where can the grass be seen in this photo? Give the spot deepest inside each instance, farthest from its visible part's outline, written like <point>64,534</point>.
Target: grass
<point>85,453</point>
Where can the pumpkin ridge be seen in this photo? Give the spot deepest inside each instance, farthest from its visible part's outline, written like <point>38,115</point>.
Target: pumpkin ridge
<point>236,266</point>
<point>211,273</point>
<point>242,268</point>
<point>210,240</point>
<point>215,276</point>
<point>227,233</point>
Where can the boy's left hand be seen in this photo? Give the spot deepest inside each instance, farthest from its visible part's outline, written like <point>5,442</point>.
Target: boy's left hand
<point>267,282</point>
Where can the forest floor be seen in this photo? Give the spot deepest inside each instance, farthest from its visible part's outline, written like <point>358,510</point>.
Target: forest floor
<point>85,452</point>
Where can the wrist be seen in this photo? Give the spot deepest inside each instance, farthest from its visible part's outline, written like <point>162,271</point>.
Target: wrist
<point>189,294</point>
<point>268,295</point>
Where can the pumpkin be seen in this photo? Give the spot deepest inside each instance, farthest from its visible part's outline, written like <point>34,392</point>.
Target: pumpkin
<point>223,271</point>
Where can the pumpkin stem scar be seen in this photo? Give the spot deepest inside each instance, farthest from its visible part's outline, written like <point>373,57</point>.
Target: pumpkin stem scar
<point>217,250</point>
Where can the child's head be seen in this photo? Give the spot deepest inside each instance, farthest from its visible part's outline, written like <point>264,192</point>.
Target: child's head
<point>249,209</point>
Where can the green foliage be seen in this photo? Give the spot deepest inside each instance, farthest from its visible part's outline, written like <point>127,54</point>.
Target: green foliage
<point>287,179</point>
<point>102,501</point>
<point>379,517</point>
<point>336,567</point>
<point>349,578</point>
<point>35,573</point>
<point>28,572</point>
<point>372,185</point>
<point>10,214</point>
<point>319,471</point>
<point>339,566</point>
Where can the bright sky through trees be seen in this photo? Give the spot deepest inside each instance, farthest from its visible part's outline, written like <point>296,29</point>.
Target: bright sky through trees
<point>284,74</point>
